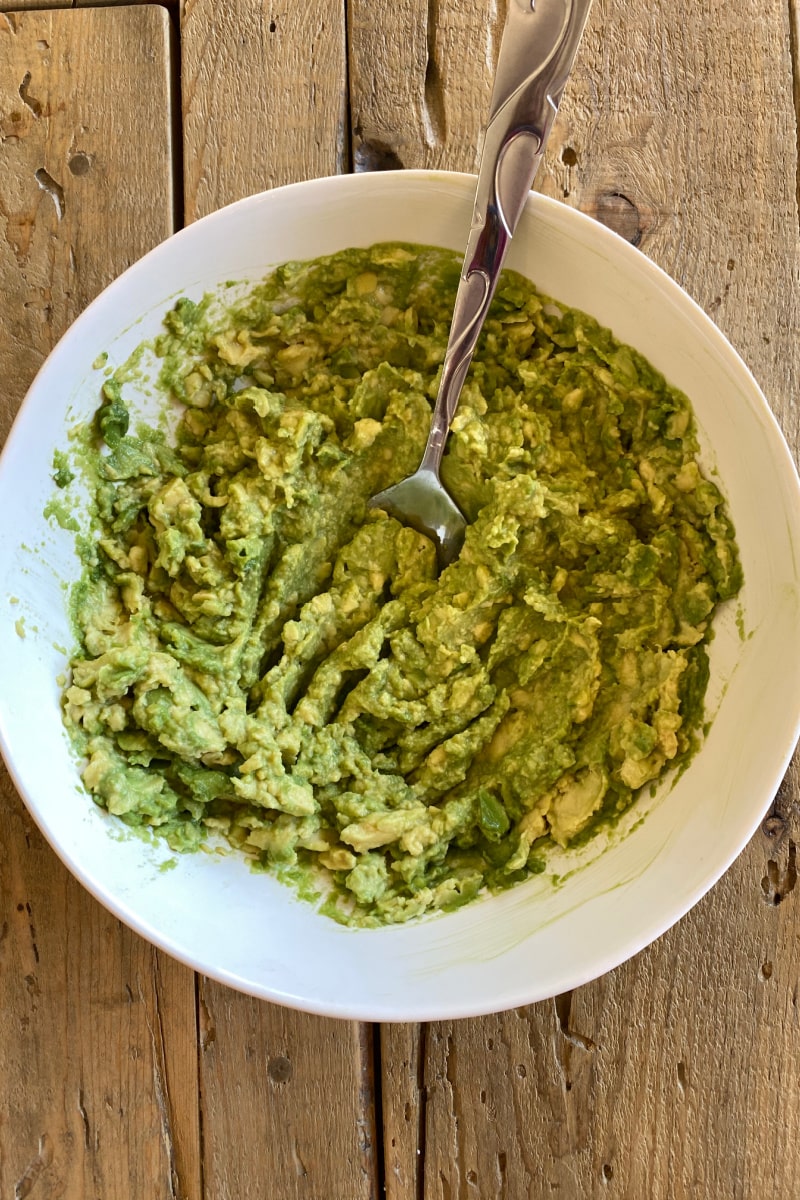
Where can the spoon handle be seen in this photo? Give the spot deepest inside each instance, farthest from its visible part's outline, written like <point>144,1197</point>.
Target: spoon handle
<point>537,50</point>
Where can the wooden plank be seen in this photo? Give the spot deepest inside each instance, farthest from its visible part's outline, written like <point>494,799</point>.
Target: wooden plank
<point>286,1097</point>
<point>420,80</point>
<point>24,5</point>
<point>70,164</point>
<point>699,171</point>
<point>677,1074</point>
<point>97,1043</point>
<point>264,96</point>
<point>404,1104</point>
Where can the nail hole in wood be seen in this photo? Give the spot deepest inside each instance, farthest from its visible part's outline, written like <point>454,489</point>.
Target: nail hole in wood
<point>376,156</point>
<point>80,163</point>
<point>280,1069</point>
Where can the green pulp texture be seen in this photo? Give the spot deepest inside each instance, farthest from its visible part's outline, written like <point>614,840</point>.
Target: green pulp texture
<point>262,657</point>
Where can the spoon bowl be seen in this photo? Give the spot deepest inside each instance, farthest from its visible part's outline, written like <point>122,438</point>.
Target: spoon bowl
<point>536,55</point>
<point>423,502</point>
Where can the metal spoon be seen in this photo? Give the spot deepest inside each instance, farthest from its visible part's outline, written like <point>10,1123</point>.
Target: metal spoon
<point>537,50</point>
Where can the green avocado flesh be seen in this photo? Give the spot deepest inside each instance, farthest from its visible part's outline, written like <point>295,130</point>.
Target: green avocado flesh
<point>262,657</point>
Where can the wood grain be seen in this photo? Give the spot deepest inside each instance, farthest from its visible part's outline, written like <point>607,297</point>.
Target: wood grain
<point>420,80</point>
<point>676,1075</point>
<point>285,1097</point>
<point>264,96</point>
<point>86,169</point>
<point>25,5</point>
<point>97,1049</point>
<point>692,153</point>
<point>14,6</point>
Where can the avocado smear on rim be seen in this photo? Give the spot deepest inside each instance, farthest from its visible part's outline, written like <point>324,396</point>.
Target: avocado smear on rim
<point>264,658</point>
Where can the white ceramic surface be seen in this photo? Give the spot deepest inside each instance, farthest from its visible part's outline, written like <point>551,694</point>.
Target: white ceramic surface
<point>538,939</point>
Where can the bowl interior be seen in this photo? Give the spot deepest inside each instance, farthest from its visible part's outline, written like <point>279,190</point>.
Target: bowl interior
<point>547,935</point>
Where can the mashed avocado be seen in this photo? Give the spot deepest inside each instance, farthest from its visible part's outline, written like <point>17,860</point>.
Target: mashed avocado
<point>262,657</point>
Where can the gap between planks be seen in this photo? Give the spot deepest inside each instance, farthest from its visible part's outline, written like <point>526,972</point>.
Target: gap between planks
<point>794,48</point>
<point>45,5</point>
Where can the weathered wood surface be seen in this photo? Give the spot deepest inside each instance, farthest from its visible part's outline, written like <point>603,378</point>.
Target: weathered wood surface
<point>287,1102</point>
<point>676,1075</point>
<point>264,96</point>
<point>264,103</point>
<point>98,1065</point>
<point>122,1074</point>
<point>86,176</point>
<point>253,1075</point>
<point>24,5</point>
<point>420,79</point>
<point>13,6</point>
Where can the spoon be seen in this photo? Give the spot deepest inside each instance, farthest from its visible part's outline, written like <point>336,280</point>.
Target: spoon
<point>537,50</point>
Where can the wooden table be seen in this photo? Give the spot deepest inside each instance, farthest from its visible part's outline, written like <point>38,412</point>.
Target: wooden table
<point>122,1074</point>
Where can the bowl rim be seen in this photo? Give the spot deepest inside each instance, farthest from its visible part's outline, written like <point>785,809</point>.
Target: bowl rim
<point>564,215</point>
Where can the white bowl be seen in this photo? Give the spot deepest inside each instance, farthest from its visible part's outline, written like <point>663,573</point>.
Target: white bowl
<point>542,937</point>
